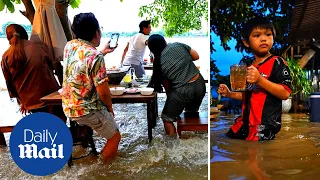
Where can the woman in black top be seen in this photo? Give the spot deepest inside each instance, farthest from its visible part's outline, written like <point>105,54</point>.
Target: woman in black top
<point>173,68</point>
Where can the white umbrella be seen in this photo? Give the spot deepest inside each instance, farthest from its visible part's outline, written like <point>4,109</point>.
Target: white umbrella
<point>47,28</point>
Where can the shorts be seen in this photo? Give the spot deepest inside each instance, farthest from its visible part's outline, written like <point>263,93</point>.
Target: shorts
<point>101,121</point>
<point>253,133</point>
<point>187,97</point>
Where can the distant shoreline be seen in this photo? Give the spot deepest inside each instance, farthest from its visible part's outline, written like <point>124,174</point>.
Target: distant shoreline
<point>127,36</point>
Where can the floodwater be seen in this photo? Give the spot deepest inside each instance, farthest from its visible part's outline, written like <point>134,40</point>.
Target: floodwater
<point>294,154</point>
<point>164,158</point>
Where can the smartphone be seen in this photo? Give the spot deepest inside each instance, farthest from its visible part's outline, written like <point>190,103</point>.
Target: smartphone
<point>114,40</point>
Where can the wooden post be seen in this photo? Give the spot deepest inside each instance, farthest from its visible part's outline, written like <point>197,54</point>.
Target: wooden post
<point>2,140</point>
<point>305,58</point>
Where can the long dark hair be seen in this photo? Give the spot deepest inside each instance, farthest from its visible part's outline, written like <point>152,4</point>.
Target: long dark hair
<point>156,44</point>
<point>15,56</point>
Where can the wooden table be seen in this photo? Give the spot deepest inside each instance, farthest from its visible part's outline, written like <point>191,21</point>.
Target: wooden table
<point>151,101</point>
<point>148,67</point>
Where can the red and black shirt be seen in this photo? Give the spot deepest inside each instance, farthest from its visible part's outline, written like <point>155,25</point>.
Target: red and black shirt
<point>261,111</point>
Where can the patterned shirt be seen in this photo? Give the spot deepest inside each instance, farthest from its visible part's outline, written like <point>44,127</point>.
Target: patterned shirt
<point>177,64</point>
<point>83,69</point>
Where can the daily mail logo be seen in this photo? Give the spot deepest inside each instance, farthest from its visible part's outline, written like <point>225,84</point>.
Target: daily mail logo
<point>43,140</point>
<point>32,151</point>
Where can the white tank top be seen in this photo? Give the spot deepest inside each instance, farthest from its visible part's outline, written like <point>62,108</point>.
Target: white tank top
<point>136,49</point>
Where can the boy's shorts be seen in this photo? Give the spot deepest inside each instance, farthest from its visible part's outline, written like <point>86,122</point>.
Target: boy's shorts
<point>101,121</point>
<point>187,97</point>
<point>253,133</point>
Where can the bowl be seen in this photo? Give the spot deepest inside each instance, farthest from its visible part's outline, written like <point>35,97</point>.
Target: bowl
<point>116,75</point>
<point>117,91</point>
<point>146,91</point>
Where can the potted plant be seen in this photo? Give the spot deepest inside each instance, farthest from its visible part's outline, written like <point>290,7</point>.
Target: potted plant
<point>300,83</point>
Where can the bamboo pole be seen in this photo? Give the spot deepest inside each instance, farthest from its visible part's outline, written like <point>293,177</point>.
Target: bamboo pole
<point>306,57</point>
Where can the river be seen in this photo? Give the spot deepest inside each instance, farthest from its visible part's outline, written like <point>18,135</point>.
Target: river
<point>294,154</point>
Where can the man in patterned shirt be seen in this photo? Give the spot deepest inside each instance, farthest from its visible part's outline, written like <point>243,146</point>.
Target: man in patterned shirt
<point>86,95</point>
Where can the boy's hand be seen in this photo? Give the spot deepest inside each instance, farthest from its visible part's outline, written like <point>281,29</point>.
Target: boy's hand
<point>253,75</point>
<point>223,90</point>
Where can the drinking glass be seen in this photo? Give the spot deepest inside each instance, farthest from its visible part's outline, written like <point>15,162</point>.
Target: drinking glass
<point>238,77</point>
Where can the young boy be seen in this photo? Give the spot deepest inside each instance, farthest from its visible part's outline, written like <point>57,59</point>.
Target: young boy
<point>268,83</point>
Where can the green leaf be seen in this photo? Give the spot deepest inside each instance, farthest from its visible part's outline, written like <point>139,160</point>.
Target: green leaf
<point>2,5</point>
<point>177,17</point>
<point>74,3</point>
<point>9,5</point>
<point>300,81</point>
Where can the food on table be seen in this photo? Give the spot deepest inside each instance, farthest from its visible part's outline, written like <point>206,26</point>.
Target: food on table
<point>132,90</point>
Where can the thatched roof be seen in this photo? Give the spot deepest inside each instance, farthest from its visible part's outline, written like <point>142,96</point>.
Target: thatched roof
<point>305,22</point>
<point>305,29</point>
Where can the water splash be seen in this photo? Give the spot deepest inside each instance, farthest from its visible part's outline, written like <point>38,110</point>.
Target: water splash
<point>137,159</point>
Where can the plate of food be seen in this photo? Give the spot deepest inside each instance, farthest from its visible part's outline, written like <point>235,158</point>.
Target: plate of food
<point>113,68</point>
<point>132,90</point>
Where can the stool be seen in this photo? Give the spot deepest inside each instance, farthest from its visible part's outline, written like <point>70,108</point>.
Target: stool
<point>4,129</point>
<point>81,135</point>
<point>192,121</point>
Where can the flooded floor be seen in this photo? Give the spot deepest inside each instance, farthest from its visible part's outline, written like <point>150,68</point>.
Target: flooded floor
<point>164,158</point>
<point>294,154</point>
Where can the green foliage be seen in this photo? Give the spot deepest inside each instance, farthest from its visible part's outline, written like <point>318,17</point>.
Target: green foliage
<point>7,4</point>
<point>74,3</point>
<point>177,16</point>
<point>10,6</point>
<point>214,71</point>
<point>300,82</point>
<point>247,60</point>
<point>228,16</point>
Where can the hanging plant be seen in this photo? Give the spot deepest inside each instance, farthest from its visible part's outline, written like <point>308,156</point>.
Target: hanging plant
<point>300,81</point>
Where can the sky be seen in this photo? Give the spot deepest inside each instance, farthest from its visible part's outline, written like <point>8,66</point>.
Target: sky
<point>112,15</point>
<point>224,59</point>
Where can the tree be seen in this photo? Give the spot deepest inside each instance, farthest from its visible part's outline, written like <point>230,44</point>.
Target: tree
<point>177,16</point>
<point>61,8</point>
<point>227,18</point>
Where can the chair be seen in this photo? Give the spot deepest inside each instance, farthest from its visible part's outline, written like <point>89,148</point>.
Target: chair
<point>81,135</point>
<point>192,121</point>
